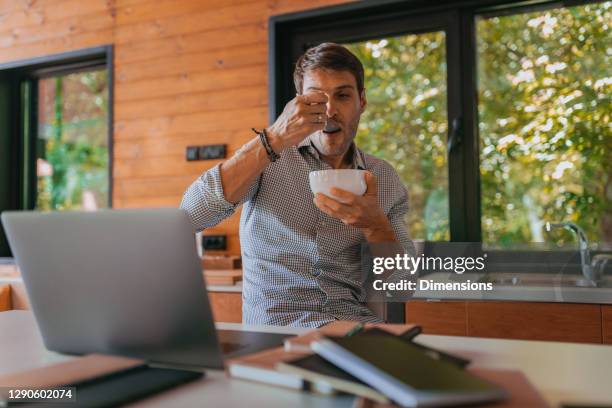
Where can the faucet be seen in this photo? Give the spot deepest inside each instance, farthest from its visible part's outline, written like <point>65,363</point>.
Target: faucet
<point>592,270</point>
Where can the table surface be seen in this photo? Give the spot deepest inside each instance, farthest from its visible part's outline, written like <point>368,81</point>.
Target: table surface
<point>562,372</point>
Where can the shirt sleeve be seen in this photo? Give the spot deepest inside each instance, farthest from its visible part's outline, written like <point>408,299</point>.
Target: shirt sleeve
<point>205,202</point>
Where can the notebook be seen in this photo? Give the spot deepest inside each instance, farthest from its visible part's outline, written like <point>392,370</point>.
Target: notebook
<point>317,370</point>
<point>261,367</point>
<point>522,393</point>
<point>404,373</point>
<point>339,328</point>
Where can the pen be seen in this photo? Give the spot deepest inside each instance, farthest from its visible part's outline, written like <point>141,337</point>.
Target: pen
<point>411,333</point>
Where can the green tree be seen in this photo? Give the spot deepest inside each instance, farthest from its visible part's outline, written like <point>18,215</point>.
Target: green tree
<point>74,141</point>
<point>544,105</point>
<point>405,122</point>
<point>544,123</point>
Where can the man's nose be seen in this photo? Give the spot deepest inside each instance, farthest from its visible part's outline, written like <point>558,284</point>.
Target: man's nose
<point>331,108</point>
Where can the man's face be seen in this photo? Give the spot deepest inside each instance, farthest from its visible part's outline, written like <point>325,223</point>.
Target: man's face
<point>344,107</point>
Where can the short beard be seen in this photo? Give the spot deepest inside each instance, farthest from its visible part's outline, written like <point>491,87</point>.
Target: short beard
<point>330,151</point>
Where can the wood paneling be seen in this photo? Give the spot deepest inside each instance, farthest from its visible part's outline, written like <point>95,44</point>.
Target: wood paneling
<point>186,72</point>
<point>57,45</point>
<point>249,96</point>
<point>535,321</point>
<point>150,148</point>
<point>135,11</point>
<point>606,323</point>
<point>71,26</point>
<point>447,318</point>
<point>225,79</point>
<point>231,15</point>
<point>196,42</point>
<point>226,306</point>
<point>19,15</point>
<point>226,58</point>
<point>166,126</point>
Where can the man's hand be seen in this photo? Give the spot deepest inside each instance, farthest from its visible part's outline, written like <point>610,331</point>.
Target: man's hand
<point>302,116</point>
<point>359,211</point>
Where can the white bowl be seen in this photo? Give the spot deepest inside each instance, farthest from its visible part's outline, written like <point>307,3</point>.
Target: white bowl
<point>322,181</point>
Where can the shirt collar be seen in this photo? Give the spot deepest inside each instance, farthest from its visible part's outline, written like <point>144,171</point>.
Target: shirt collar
<point>357,163</point>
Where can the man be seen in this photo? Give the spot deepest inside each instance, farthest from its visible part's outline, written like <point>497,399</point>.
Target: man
<point>301,254</point>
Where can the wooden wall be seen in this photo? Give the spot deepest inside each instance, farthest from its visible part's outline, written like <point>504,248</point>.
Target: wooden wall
<point>186,72</point>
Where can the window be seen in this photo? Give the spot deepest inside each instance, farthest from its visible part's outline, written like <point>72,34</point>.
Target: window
<point>496,115</point>
<point>544,123</point>
<point>55,133</point>
<point>72,141</point>
<point>405,122</point>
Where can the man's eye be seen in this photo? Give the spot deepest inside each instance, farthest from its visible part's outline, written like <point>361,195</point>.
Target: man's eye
<point>343,96</point>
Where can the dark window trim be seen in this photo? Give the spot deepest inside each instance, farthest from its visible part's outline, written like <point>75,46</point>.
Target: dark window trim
<point>288,33</point>
<point>64,58</point>
<point>13,76</point>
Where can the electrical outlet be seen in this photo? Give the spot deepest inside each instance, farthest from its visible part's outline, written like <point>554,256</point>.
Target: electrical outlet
<point>214,242</point>
<point>208,152</point>
<point>192,153</point>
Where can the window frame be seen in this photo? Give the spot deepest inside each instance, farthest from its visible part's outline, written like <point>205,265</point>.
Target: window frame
<point>289,33</point>
<point>18,105</point>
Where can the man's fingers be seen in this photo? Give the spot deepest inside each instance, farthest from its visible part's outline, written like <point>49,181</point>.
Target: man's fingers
<point>337,208</point>
<point>324,208</point>
<point>346,218</point>
<point>372,187</point>
<point>321,205</point>
<point>343,196</point>
<point>314,109</point>
<point>314,97</point>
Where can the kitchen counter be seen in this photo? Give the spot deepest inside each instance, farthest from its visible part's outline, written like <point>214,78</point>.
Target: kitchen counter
<point>541,288</point>
<point>9,273</point>
<point>553,292</point>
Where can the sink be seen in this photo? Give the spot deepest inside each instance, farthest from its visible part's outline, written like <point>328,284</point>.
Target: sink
<point>542,279</point>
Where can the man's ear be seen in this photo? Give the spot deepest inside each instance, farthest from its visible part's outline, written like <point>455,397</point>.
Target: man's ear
<point>363,101</point>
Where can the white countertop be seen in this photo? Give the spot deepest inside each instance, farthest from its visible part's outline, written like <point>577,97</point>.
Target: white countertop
<point>562,372</point>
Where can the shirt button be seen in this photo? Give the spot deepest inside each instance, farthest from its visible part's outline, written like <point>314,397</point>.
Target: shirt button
<point>315,272</point>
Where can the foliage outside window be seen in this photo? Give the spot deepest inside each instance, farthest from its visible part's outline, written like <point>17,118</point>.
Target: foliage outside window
<point>545,131</point>
<point>405,122</point>
<point>72,143</point>
<point>544,90</point>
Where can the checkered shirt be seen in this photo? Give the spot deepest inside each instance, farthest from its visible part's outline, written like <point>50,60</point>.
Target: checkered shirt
<point>301,267</point>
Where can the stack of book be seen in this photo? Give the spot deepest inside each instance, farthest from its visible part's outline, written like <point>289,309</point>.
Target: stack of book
<point>383,367</point>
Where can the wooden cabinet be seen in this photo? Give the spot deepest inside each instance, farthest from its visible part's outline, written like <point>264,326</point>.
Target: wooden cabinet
<point>226,306</point>
<point>606,323</point>
<point>438,317</point>
<point>19,296</point>
<point>581,323</point>
<point>5,297</point>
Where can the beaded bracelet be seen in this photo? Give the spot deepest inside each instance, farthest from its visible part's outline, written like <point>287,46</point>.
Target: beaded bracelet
<point>263,136</point>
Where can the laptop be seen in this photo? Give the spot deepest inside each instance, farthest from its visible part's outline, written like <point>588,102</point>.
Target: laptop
<point>123,282</point>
